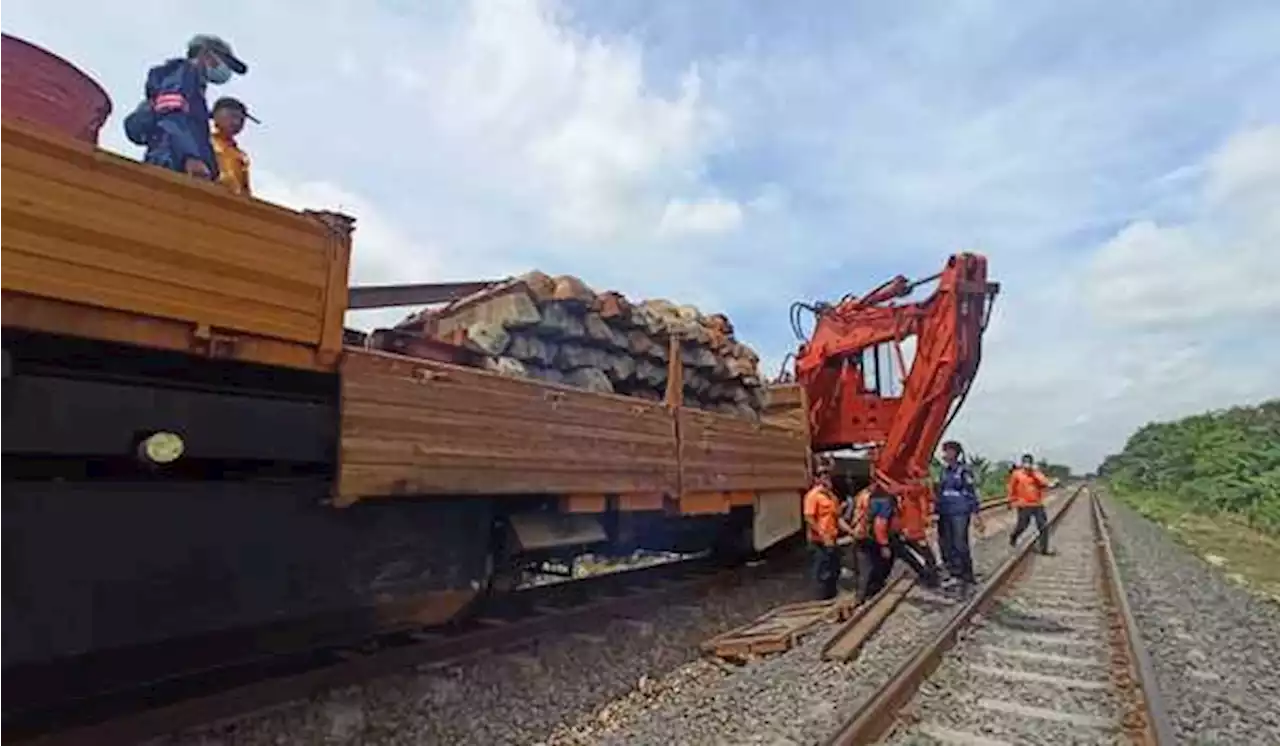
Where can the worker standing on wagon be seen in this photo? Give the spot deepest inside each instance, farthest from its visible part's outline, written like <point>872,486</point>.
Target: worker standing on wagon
<point>229,115</point>
<point>1026,493</point>
<point>824,524</point>
<point>958,504</point>
<point>173,120</point>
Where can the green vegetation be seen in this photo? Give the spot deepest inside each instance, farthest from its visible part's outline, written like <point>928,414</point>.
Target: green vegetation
<point>1212,464</point>
<point>1213,481</point>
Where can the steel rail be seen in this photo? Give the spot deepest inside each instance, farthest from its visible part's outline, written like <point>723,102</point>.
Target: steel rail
<point>1147,713</point>
<point>877,715</point>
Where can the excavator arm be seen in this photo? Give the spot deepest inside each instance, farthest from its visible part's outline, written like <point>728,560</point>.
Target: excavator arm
<point>845,373</point>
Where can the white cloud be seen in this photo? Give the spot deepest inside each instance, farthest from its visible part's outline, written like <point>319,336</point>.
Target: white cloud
<point>561,118</point>
<point>710,216</point>
<point>1221,263</point>
<point>1161,321</point>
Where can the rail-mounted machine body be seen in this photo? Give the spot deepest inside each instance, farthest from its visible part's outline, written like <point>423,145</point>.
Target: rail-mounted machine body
<point>847,367</point>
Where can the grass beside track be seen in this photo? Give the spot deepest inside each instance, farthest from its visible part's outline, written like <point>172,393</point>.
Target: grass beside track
<point>1244,554</point>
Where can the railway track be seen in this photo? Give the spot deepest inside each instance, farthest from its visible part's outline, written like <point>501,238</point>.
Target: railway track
<point>1046,651</point>
<point>146,709</point>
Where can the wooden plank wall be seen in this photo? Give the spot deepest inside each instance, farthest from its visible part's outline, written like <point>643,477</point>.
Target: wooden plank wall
<point>787,406</point>
<point>85,227</point>
<point>719,453</point>
<point>413,426</point>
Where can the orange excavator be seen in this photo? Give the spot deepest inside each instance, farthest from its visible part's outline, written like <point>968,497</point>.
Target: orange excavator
<point>850,364</point>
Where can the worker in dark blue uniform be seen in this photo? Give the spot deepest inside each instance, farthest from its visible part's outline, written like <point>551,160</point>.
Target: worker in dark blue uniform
<point>957,505</point>
<point>173,120</point>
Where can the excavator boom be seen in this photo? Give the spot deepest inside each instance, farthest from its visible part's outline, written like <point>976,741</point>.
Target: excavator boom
<point>849,361</point>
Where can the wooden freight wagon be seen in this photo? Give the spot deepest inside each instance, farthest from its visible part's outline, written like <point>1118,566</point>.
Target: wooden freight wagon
<point>190,450</point>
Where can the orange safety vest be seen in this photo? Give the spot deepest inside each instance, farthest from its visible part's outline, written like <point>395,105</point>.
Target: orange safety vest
<point>861,513</point>
<point>1026,487</point>
<point>822,508</point>
<point>233,163</point>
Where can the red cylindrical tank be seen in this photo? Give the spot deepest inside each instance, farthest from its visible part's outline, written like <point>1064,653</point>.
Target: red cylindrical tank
<point>41,88</point>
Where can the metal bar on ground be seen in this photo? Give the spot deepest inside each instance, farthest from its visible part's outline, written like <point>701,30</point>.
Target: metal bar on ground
<point>846,642</point>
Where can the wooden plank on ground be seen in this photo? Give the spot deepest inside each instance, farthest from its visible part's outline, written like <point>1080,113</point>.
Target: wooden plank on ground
<point>778,630</point>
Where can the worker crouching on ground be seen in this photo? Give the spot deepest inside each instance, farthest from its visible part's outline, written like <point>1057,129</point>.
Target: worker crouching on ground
<point>824,524</point>
<point>958,504</point>
<point>1026,494</point>
<point>229,115</point>
<point>173,121</point>
<point>872,517</point>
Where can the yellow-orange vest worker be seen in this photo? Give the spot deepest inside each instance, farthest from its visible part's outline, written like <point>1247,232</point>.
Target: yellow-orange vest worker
<point>821,511</point>
<point>229,115</point>
<point>822,517</point>
<point>1026,487</point>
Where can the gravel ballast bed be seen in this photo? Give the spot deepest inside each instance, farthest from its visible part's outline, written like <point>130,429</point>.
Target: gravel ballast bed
<point>1215,646</point>
<point>792,698</point>
<point>511,698</point>
<point>996,667</point>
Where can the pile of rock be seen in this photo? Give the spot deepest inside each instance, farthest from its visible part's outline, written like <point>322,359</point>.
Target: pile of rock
<point>558,329</point>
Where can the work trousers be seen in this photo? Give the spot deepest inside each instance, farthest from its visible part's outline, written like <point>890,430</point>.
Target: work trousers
<point>873,569</point>
<point>1025,516</point>
<point>826,570</point>
<point>953,541</point>
<point>918,557</point>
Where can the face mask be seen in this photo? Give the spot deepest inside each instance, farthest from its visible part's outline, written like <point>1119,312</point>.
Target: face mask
<point>217,74</point>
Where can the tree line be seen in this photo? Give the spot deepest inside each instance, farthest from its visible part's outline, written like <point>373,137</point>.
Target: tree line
<point>1222,461</point>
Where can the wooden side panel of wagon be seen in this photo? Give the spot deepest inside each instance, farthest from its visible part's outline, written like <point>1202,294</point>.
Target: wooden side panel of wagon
<point>735,459</point>
<point>100,246</point>
<point>418,427</point>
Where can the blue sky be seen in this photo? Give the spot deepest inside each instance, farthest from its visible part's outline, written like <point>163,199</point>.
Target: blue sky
<point>1118,163</point>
